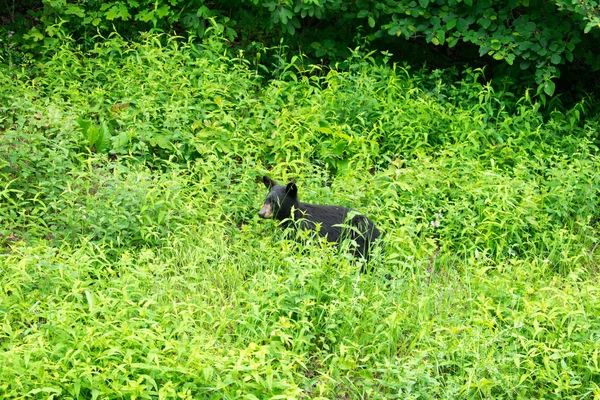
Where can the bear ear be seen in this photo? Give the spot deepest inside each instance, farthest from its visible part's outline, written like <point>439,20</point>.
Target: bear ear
<point>269,183</point>
<point>291,189</point>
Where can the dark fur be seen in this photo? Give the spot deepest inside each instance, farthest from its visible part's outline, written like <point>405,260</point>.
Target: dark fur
<point>336,223</point>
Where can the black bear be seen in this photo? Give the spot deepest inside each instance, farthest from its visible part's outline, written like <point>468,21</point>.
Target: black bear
<point>334,222</point>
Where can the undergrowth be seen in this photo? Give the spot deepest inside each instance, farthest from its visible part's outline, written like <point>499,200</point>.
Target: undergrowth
<point>133,264</point>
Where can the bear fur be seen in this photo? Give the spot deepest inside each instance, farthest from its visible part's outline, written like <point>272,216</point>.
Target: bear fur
<point>333,222</point>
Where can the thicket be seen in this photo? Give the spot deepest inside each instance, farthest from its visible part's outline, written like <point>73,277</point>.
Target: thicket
<point>125,100</point>
<point>535,39</point>
<point>132,263</point>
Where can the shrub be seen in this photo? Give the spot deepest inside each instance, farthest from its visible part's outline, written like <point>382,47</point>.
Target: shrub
<point>533,36</point>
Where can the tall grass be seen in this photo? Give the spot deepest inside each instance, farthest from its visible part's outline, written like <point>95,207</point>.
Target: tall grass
<point>133,264</point>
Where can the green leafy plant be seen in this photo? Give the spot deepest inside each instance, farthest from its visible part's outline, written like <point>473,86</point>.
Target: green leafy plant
<point>534,39</point>
<point>133,264</point>
<point>535,36</point>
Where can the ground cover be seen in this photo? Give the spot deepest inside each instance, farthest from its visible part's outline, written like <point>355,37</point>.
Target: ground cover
<point>133,264</point>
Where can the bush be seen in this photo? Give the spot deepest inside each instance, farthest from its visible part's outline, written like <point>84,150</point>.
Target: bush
<point>138,268</point>
<point>181,103</point>
<point>535,37</point>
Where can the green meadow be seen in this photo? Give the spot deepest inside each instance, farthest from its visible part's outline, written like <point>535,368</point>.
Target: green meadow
<point>133,264</point>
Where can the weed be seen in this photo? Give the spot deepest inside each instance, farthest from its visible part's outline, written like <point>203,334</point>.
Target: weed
<point>133,264</point>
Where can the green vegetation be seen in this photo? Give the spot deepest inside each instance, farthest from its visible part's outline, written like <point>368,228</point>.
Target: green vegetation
<point>133,265</point>
<point>534,40</point>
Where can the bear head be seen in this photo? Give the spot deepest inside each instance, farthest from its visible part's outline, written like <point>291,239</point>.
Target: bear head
<point>279,201</point>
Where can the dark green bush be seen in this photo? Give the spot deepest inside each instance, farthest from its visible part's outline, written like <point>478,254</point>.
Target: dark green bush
<point>535,36</point>
<point>532,36</point>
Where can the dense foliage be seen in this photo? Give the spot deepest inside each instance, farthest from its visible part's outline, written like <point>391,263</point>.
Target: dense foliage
<point>535,37</point>
<point>132,263</point>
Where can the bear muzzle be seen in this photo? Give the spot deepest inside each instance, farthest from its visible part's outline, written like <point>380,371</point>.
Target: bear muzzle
<point>266,211</point>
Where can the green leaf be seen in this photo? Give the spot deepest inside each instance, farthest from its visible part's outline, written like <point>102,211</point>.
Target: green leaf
<point>84,124</point>
<point>118,11</point>
<point>484,22</point>
<point>462,25</point>
<point>450,23</point>
<point>90,300</point>
<point>371,21</point>
<point>75,10</point>
<point>45,390</point>
<point>208,372</point>
<point>590,25</point>
<point>35,35</point>
<point>203,12</point>
<point>549,87</point>
<point>162,141</point>
<point>285,15</point>
<point>161,216</point>
<point>121,141</point>
<point>530,26</point>
<point>525,45</point>
<point>103,142</point>
<point>441,36</point>
<point>342,165</point>
<point>145,16</point>
<point>569,56</point>
<point>556,59</point>
<point>424,3</point>
<point>325,130</point>
<point>92,135</point>
<point>162,11</point>
<point>231,34</point>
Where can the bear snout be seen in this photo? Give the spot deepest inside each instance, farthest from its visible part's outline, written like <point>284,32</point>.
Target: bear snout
<point>266,212</point>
